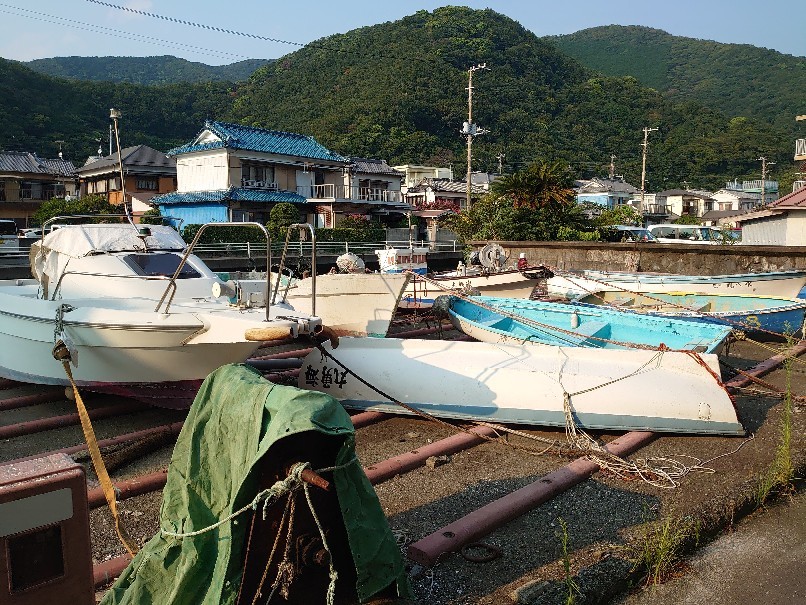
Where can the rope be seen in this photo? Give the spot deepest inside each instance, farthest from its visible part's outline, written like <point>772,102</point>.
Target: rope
<point>736,323</point>
<point>280,488</point>
<point>62,353</point>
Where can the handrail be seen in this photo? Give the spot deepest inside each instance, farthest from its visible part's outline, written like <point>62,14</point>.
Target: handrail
<point>299,226</point>
<point>192,245</point>
<point>88,274</point>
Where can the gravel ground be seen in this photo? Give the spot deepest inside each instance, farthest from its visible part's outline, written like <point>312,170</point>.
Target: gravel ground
<point>606,516</point>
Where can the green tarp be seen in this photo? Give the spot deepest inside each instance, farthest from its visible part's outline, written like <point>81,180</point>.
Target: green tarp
<point>235,419</point>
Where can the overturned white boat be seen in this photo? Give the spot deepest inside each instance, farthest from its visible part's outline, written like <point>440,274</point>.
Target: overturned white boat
<point>136,312</point>
<point>618,390</point>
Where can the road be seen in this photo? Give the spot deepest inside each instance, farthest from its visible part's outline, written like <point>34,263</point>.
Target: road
<point>761,561</point>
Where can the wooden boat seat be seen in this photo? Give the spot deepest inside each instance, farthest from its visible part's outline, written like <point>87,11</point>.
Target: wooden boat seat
<point>698,308</point>
<point>622,302</point>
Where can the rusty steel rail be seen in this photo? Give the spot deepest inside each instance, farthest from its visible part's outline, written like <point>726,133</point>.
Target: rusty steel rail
<point>766,366</point>
<point>484,520</point>
<point>21,401</point>
<point>55,422</point>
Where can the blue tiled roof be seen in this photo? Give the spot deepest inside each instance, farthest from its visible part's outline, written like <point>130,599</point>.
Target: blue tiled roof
<point>234,194</point>
<point>237,136</point>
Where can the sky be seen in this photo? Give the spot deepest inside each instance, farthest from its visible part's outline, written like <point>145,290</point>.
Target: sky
<point>268,29</point>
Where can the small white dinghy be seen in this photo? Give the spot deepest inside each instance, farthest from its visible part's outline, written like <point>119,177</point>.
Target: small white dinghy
<point>619,390</point>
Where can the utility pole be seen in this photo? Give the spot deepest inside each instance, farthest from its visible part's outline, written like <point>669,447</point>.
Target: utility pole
<point>643,165</point>
<point>764,164</point>
<point>469,128</point>
<point>500,157</point>
<point>612,174</point>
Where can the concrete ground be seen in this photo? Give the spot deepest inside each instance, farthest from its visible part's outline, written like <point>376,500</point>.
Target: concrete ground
<point>761,561</point>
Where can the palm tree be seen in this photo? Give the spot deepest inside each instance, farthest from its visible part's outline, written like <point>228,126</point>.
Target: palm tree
<point>540,185</point>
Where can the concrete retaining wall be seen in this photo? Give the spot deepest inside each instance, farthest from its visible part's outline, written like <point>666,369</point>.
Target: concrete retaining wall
<point>683,259</point>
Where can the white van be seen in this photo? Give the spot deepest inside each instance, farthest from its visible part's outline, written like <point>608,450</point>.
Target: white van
<point>8,236</point>
<point>686,234</point>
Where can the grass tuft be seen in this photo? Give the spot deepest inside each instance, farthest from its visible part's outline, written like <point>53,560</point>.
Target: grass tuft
<point>571,585</point>
<point>663,545</point>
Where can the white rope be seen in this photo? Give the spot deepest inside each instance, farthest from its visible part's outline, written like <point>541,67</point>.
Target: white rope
<point>280,488</point>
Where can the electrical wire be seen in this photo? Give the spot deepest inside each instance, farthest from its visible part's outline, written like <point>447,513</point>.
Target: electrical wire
<point>99,29</point>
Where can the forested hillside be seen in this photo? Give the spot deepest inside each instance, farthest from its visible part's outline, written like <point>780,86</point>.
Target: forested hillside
<point>143,70</point>
<point>737,79</point>
<point>397,91</point>
<point>36,111</point>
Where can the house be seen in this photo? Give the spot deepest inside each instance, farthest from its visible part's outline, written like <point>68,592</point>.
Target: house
<point>231,172</point>
<point>415,174</point>
<point>26,180</point>
<point>684,202</point>
<point>443,194</point>
<point>782,222</point>
<point>147,173</point>
<point>604,192</point>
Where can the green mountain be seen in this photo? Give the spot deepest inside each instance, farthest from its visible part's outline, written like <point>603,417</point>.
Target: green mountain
<point>143,70</point>
<point>736,79</point>
<point>36,111</point>
<point>398,91</point>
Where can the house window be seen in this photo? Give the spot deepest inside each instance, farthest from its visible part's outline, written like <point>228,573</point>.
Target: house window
<point>147,184</point>
<point>257,175</point>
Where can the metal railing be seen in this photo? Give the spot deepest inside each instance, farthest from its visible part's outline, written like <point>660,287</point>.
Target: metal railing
<point>251,249</point>
<point>344,192</point>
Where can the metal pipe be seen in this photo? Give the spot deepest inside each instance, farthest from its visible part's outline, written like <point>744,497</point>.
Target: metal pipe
<point>363,419</point>
<point>423,331</point>
<point>54,422</point>
<point>21,401</point>
<point>386,469</point>
<point>766,366</point>
<point>129,488</point>
<point>284,355</point>
<point>482,521</point>
<point>106,572</point>
<point>168,429</point>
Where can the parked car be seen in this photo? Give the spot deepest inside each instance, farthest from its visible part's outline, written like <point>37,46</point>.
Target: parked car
<point>31,233</point>
<point>686,234</point>
<point>626,233</point>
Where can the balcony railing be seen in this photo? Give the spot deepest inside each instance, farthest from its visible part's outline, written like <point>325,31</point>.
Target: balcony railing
<point>259,185</point>
<point>343,192</point>
<point>800,149</point>
<point>657,209</point>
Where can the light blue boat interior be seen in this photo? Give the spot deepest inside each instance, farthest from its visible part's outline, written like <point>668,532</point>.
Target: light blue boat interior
<point>770,313</point>
<point>586,325</point>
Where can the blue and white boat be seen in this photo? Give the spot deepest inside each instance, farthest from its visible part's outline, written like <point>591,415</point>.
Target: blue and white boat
<point>749,313</point>
<point>523,321</point>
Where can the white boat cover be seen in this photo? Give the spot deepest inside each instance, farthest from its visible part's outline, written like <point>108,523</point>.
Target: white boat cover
<point>50,255</point>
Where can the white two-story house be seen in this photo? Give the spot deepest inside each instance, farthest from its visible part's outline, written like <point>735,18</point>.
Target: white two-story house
<point>231,172</point>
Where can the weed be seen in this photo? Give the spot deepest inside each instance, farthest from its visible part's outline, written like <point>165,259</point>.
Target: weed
<point>570,584</point>
<point>781,473</point>
<point>663,545</point>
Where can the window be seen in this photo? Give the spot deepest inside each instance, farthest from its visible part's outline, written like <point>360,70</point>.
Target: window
<point>2,191</point>
<point>163,264</point>
<point>147,184</point>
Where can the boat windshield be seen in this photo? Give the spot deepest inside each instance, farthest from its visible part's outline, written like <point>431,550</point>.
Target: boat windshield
<point>163,263</point>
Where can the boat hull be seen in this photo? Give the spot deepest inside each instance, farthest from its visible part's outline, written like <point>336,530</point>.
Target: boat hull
<point>420,293</point>
<point>775,283</point>
<point>352,304</point>
<point>668,391</point>
<point>517,321</point>
<point>122,350</point>
<point>743,312</point>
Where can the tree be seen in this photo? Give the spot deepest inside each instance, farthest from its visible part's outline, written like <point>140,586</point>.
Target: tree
<point>540,185</point>
<point>89,204</point>
<point>281,216</point>
<point>620,215</point>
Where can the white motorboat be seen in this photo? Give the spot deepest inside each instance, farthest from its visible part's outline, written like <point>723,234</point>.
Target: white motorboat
<point>351,304</point>
<point>573,284</point>
<point>621,390</point>
<point>422,291</point>
<point>136,312</point>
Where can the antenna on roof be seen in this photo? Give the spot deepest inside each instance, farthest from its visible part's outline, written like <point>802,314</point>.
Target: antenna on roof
<point>59,143</point>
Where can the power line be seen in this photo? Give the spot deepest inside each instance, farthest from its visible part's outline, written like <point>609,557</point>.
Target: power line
<point>99,29</point>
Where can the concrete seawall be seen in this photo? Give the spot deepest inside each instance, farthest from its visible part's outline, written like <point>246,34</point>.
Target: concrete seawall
<point>683,259</point>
